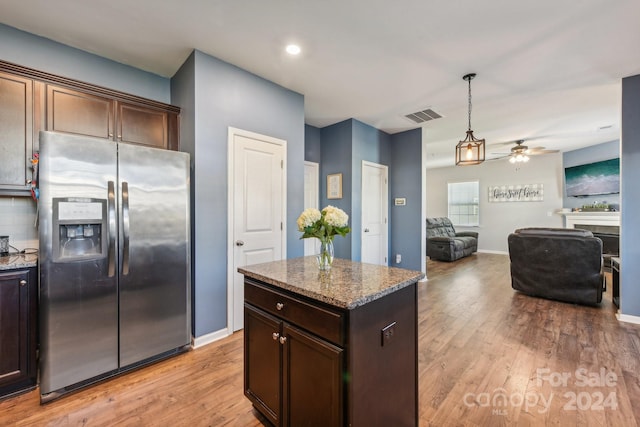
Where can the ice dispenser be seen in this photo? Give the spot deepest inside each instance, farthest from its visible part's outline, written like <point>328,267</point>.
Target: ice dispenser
<point>79,229</point>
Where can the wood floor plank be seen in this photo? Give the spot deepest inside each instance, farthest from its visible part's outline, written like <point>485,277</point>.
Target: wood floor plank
<point>479,341</point>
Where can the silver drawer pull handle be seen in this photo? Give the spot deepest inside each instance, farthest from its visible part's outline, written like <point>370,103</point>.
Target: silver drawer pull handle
<point>23,282</point>
<point>279,306</point>
<point>283,340</point>
<point>275,336</point>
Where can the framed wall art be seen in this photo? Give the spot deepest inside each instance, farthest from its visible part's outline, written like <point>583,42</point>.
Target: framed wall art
<point>334,186</point>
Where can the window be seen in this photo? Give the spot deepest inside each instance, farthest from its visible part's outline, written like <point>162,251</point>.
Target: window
<point>464,203</point>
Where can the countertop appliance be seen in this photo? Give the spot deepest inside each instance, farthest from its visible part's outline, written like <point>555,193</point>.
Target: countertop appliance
<point>114,226</point>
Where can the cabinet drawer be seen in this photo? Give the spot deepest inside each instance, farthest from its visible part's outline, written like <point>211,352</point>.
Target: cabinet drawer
<point>318,320</point>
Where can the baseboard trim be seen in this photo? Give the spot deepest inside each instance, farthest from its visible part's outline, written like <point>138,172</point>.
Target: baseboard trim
<point>487,251</point>
<point>210,338</point>
<point>628,318</point>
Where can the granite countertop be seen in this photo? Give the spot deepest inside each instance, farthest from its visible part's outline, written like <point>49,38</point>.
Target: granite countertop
<point>347,285</point>
<point>17,261</point>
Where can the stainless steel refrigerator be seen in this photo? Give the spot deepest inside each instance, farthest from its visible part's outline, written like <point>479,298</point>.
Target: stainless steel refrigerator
<point>114,258</point>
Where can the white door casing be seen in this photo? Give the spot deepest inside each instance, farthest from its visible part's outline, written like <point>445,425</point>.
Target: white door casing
<point>311,200</point>
<point>257,209</point>
<point>375,209</point>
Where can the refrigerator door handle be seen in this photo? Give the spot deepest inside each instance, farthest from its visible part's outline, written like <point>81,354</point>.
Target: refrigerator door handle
<point>111,206</point>
<point>125,227</point>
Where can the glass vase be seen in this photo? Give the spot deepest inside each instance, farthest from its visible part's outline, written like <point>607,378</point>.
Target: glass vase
<point>325,257</point>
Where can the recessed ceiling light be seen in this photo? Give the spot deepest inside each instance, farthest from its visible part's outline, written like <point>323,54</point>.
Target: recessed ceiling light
<point>293,49</point>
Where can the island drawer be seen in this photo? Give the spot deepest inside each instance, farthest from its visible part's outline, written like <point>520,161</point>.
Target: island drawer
<point>321,321</point>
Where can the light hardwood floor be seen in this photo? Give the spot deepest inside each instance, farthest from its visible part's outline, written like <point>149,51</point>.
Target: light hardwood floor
<point>489,356</point>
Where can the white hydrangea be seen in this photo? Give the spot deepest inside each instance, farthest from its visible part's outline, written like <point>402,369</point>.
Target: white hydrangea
<point>307,218</point>
<point>335,217</point>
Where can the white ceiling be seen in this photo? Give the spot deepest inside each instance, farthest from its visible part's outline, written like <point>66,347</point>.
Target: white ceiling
<point>548,70</point>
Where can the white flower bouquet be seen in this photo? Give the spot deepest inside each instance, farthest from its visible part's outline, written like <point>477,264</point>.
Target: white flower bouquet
<point>323,225</point>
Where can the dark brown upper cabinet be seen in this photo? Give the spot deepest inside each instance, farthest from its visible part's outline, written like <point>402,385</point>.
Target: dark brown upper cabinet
<point>82,113</point>
<point>16,131</point>
<point>32,100</point>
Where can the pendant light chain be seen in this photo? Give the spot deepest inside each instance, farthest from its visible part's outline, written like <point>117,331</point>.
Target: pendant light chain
<point>470,103</point>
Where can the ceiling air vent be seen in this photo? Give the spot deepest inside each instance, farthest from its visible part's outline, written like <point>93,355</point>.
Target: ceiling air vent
<point>423,116</point>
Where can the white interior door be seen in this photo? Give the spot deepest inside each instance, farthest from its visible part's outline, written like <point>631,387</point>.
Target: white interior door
<point>311,200</point>
<point>375,208</point>
<point>257,208</point>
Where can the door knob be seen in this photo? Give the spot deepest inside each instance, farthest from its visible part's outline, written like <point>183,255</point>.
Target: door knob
<point>366,230</point>
<point>239,243</point>
<point>275,336</point>
<point>23,282</point>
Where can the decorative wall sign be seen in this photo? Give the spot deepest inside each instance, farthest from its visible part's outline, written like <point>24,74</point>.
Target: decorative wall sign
<point>516,193</point>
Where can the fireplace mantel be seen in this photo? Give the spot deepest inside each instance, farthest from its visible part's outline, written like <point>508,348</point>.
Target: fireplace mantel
<point>591,218</point>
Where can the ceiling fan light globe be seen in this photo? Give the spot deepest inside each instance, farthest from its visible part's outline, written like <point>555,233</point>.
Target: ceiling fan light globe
<point>512,160</point>
<point>525,158</point>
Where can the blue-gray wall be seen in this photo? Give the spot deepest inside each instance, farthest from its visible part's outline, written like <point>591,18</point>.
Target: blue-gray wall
<point>630,171</point>
<point>336,158</point>
<point>183,93</point>
<point>405,180</point>
<point>344,146</point>
<point>52,57</point>
<point>312,144</point>
<point>216,95</point>
<point>595,153</point>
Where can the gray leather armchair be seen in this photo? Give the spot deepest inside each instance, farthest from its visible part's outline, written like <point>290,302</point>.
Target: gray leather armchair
<point>563,264</point>
<point>445,244</point>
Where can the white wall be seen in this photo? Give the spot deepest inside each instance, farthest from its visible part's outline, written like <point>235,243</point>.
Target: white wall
<point>497,220</point>
<point>17,220</point>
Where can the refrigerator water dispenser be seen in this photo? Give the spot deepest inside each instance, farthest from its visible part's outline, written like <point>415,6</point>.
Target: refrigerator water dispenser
<point>79,229</point>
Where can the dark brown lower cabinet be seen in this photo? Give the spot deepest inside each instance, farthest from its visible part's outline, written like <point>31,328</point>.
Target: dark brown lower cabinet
<point>18,329</point>
<point>311,364</point>
<point>292,376</point>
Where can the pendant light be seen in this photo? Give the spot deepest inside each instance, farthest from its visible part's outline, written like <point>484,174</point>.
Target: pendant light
<point>470,151</point>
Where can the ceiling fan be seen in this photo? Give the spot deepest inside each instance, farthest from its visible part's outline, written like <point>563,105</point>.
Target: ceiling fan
<point>520,152</point>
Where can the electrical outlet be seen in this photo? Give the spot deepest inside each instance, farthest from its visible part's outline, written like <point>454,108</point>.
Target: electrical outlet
<point>398,258</point>
<point>387,333</point>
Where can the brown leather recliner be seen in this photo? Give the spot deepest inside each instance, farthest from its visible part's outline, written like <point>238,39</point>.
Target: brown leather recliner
<point>563,264</point>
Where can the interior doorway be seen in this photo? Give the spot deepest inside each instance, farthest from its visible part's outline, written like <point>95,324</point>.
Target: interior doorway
<point>257,208</point>
<point>375,211</point>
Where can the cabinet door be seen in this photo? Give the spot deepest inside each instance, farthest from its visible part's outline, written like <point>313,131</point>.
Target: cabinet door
<point>16,131</point>
<point>79,113</point>
<point>263,362</point>
<point>15,363</point>
<point>141,125</point>
<point>312,381</point>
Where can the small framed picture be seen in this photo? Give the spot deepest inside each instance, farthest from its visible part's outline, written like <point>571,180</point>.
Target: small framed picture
<point>334,186</point>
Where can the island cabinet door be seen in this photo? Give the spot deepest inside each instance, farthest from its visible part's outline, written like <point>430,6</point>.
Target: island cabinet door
<point>263,362</point>
<point>312,381</point>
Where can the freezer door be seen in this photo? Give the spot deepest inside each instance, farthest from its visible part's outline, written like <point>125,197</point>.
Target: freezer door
<point>78,295</point>
<point>154,257</point>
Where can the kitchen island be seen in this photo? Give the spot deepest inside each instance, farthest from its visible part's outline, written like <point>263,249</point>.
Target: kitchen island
<point>334,348</point>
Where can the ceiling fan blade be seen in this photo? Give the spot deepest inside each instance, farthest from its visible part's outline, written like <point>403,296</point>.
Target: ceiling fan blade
<point>540,150</point>
<point>500,157</point>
